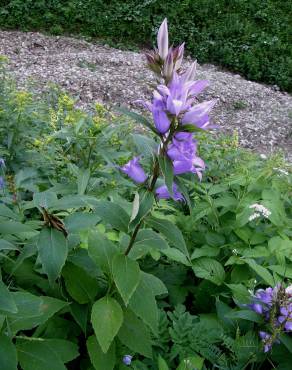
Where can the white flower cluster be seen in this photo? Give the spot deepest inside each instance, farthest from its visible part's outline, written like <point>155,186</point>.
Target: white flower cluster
<point>259,210</point>
<point>281,171</point>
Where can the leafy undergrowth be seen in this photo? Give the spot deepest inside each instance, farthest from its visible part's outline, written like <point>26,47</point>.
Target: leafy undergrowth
<point>68,298</point>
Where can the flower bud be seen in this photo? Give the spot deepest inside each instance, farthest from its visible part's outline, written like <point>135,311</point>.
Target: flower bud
<point>168,66</point>
<point>162,40</point>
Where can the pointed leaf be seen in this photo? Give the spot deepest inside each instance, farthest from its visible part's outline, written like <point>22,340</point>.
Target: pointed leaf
<point>170,231</point>
<point>207,268</point>
<point>113,214</point>
<point>135,335</point>
<point>6,299</point>
<point>8,355</point>
<point>106,318</point>
<point>37,355</point>
<point>101,250</point>
<point>143,303</point>
<point>261,271</point>
<point>100,360</point>
<point>82,180</point>
<point>126,273</point>
<point>53,251</point>
<point>81,286</point>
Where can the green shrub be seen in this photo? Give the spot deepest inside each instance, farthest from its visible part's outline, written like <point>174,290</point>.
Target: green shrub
<point>247,36</point>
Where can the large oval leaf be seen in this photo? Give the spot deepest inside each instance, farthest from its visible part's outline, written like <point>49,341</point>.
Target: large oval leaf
<point>106,318</point>
<point>53,251</point>
<point>126,273</point>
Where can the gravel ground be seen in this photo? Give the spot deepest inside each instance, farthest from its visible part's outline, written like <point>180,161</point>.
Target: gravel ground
<point>261,114</point>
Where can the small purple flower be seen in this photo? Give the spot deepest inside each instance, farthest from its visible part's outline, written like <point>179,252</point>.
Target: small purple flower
<point>266,338</point>
<point>182,151</point>
<point>134,170</point>
<point>256,307</point>
<point>2,183</point>
<point>163,193</point>
<point>198,114</point>
<point>161,120</point>
<point>2,162</point>
<point>127,359</point>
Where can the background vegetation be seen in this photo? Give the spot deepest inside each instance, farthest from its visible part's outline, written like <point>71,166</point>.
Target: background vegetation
<point>247,36</point>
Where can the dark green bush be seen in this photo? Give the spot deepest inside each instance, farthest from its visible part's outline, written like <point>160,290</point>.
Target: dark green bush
<point>247,36</point>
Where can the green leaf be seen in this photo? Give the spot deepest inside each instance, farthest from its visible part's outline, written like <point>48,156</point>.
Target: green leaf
<point>170,231</point>
<point>53,251</point>
<point>205,251</point>
<point>285,271</point>
<point>145,145</point>
<point>37,355</point>
<point>64,349</point>
<point>82,180</point>
<point>7,212</point>
<point>166,168</point>
<point>32,310</point>
<point>136,205</point>
<point>287,341</point>
<point>80,314</point>
<point>74,201</point>
<point>8,355</point>
<point>190,363</point>
<point>240,293</point>
<point>106,318</point>
<point>44,199</point>
<point>155,284</point>
<point>100,360</point>
<point>126,273</point>
<point>6,299</point>
<point>176,255</point>
<point>146,203</point>
<point>214,239</point>
<point>143,303</point>
<point>80,221</point>
<point>81,286</point>
<point>147,240</point>
<point>261,271</point>
<point>207,268</point>
<point>101,250</point>
<point>135,335</point>
<point>6,245</point>
<point>14,228</point>
<point>113,214</point>
<point>162,365</point>
<point>244,315</point>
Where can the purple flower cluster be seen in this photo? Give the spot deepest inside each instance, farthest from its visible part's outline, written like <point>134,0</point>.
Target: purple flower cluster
<point>275,305</point>
<point>175,112</point>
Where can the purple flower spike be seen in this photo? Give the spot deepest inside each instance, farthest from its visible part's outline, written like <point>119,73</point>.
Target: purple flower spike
<point>2,162</point>
<point>127,360</point>
<point>134,170</point>
<point>163,193</point>
<point>162,40</point>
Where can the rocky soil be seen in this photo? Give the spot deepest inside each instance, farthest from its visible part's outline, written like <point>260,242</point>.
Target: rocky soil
<point>261,114</point>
